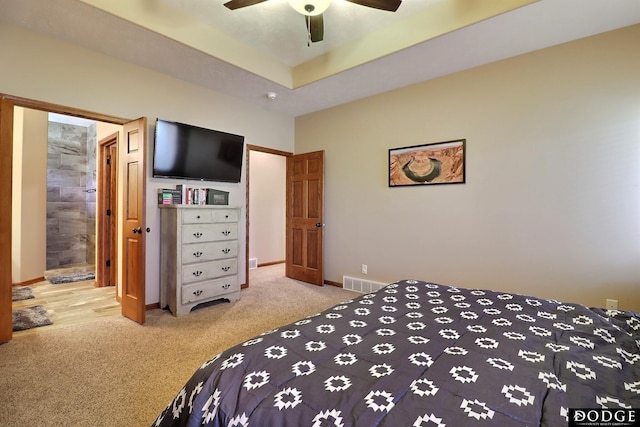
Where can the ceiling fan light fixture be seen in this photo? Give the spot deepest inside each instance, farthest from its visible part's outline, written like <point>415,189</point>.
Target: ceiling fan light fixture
<point>310,7</point>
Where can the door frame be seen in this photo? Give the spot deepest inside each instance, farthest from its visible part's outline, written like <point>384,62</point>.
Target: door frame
<point>107,225</point>
<point>7,104</point>
<point>247,162</point>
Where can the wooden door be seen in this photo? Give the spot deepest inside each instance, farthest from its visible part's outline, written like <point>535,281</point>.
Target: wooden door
<point>133,209</point>
<point>106,271</point>
<point>305,197</point>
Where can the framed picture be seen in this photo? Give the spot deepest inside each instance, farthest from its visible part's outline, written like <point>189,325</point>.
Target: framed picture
<point>428,164</point>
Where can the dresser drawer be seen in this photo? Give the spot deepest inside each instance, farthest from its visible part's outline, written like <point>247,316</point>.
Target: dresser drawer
<point>225,215</point>
<point>197,216</point>
<point>194,233</point>
<point>209,290</point>
<point>209,270</point>
<point>199,252</point>
<point>201,216</point>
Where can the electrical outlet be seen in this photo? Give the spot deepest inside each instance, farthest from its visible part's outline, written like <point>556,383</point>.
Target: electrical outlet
<point>364,268</point>
<point>611,304</point>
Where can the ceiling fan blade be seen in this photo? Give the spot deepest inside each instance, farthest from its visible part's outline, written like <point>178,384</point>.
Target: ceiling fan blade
<point>237,4</point>
<point>315,25</point>
<point>390,5</point>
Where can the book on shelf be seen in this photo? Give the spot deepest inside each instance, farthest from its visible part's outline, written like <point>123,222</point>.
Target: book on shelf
<point>183,193</point>
<point>169,196</point>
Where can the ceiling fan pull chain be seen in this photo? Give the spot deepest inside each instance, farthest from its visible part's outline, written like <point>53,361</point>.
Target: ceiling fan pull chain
<point>307,20</point>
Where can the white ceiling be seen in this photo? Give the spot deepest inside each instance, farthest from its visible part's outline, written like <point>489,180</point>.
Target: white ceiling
<point>276,29</point>
<point>272,29</point>
<point>70,120</point>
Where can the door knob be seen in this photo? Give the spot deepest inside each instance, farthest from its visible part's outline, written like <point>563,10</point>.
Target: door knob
<point>137,230</point>
<point>319,224</point>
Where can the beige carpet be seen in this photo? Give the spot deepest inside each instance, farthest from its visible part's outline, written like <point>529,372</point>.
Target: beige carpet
<point>113,372</point>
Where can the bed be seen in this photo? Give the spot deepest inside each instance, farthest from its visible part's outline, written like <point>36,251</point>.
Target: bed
<point>416,353</point>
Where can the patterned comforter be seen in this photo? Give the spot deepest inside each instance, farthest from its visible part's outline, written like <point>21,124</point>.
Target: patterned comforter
<point>422,354</point>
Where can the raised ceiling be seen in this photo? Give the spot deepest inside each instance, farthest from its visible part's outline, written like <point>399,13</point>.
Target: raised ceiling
<point>263,48</point>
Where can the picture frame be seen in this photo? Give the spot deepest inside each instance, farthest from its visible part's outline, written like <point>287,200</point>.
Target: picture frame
<point>428,164</point>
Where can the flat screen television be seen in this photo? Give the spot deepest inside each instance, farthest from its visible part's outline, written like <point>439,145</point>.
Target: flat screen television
<point>185,151</point>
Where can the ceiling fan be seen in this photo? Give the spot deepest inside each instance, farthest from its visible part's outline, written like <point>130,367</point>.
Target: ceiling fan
<point>313,9</point>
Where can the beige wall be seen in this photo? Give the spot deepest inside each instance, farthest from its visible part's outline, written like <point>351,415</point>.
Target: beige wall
<point>551,206</point>
<point>29,197</point>
<point>16,196</point>
<point>96,82</point>
<point>267,213</point>
<point>551,202</point>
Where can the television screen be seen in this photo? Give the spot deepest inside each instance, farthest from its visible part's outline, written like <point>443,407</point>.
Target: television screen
<point>191,152</point>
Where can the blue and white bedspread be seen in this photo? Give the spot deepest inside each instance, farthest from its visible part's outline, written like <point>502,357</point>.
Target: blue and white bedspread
<point>422,354</point>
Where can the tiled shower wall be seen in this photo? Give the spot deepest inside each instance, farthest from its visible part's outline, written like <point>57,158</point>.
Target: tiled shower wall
<point>71,197</point>
<point>92,183</point>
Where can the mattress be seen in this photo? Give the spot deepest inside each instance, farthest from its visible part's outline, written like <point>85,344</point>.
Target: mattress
<point>417,353</point>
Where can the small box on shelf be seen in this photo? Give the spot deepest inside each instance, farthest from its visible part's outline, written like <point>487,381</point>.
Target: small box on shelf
<point>217,197</point>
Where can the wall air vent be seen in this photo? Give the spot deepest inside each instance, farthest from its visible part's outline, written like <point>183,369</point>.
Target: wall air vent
<point>361,285</point>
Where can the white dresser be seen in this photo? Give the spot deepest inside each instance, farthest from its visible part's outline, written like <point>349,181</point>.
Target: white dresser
<point>198,256</point>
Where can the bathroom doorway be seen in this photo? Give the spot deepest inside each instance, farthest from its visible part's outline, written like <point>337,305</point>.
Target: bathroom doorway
<point>71,195</point>
<point>81,189</point>
<point>266,203</point>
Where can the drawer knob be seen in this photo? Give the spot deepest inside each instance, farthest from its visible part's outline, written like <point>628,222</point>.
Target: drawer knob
<point>226,216</point>
<point>226,250</point>
<point>198,217</point>
<point>197,235</point>
<point>226,232</point>
<point>197,273</point>
<point>226,268</point>
<point>197,254</point>
<point>197,293</point>
<point>226,286</point>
